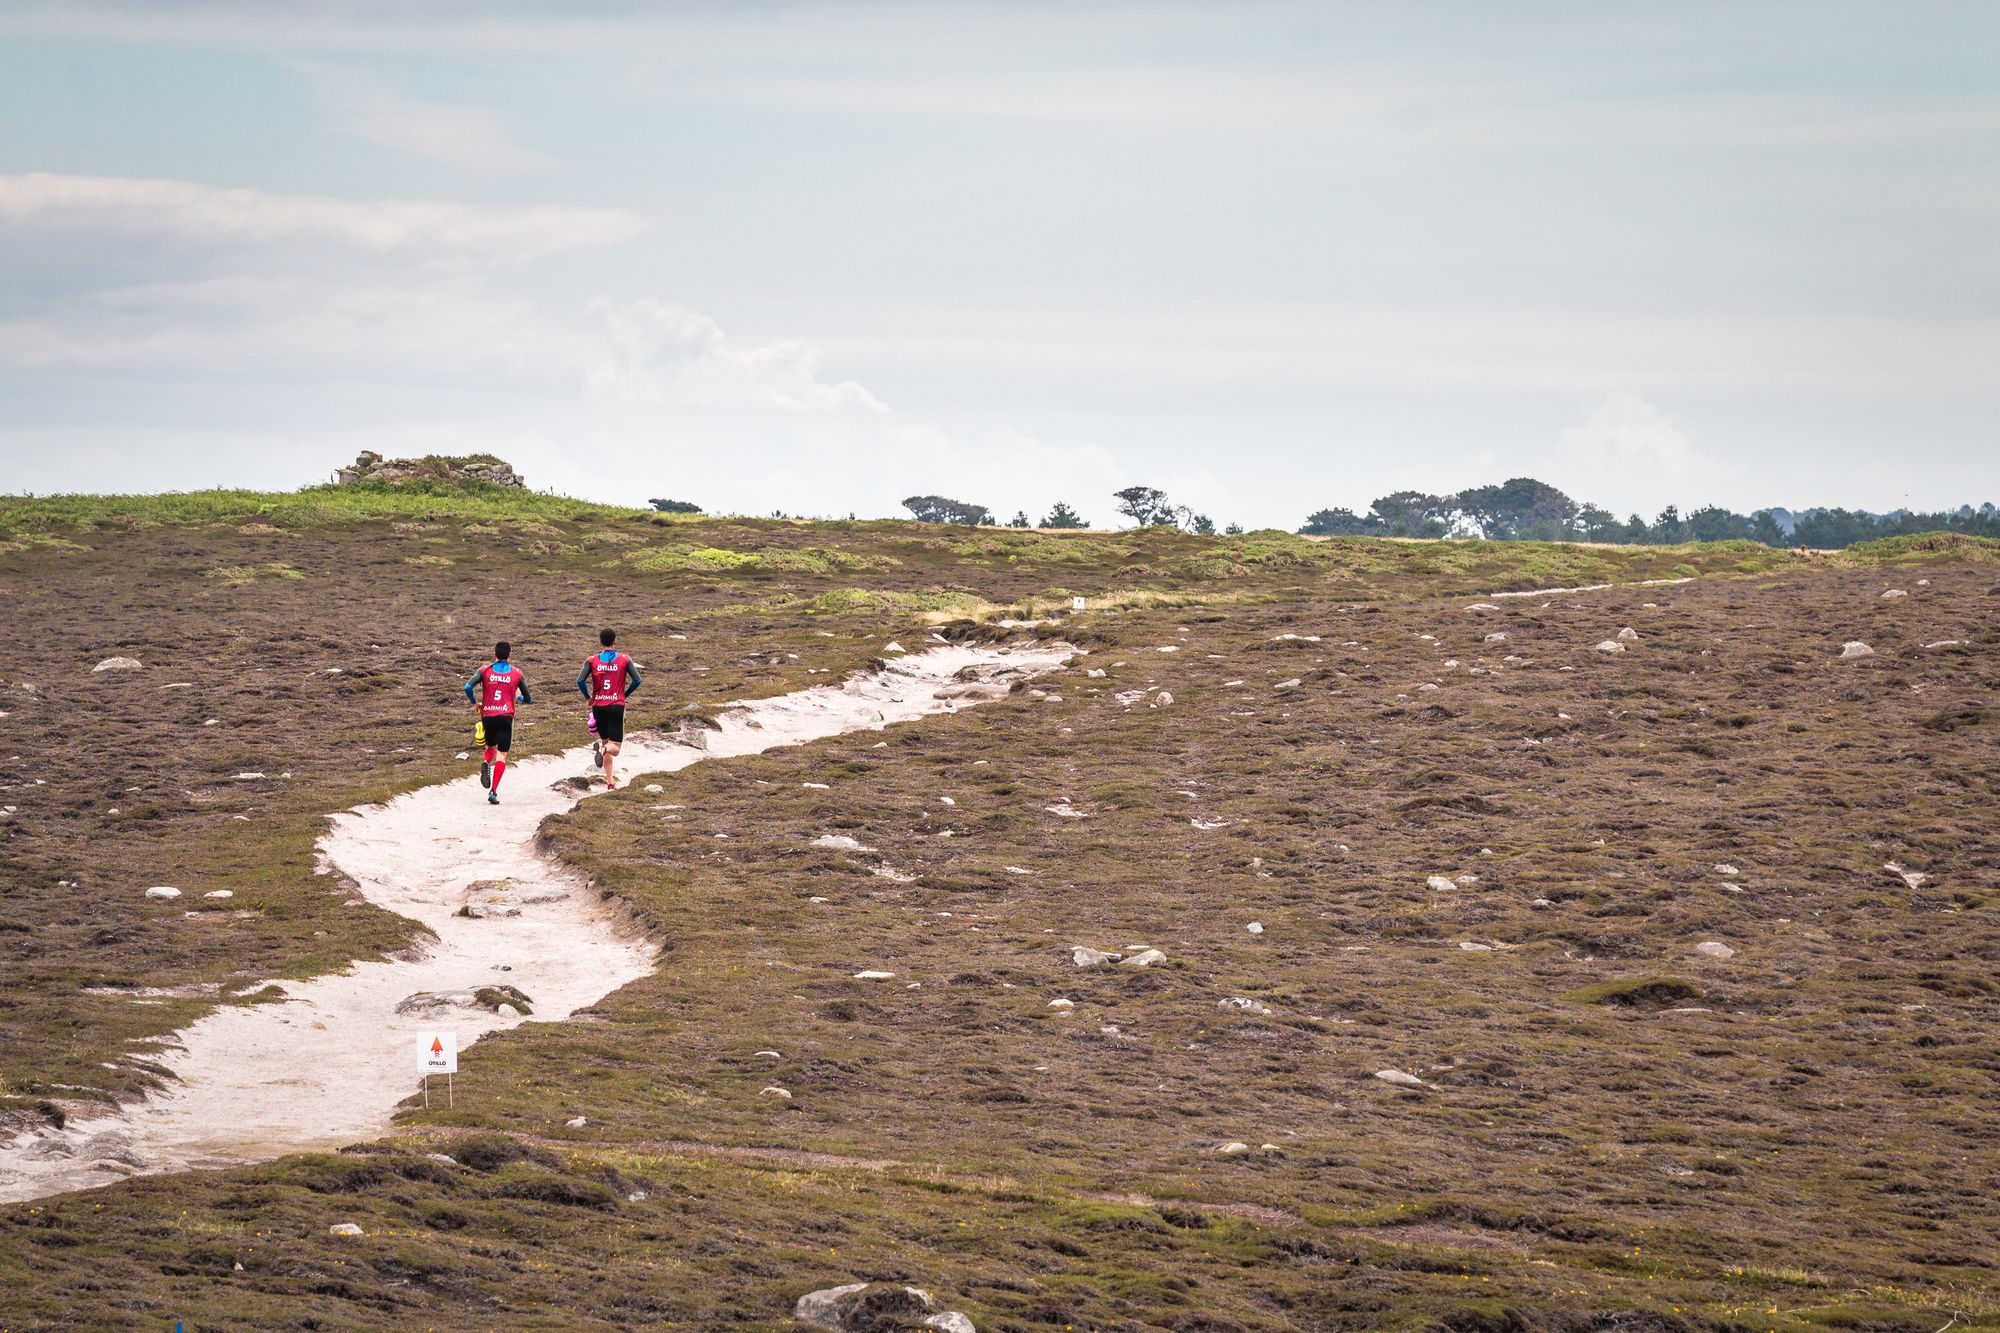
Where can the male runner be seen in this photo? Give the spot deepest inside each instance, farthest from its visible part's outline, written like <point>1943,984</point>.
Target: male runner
<point>605,680</point>
<point>495,688</point>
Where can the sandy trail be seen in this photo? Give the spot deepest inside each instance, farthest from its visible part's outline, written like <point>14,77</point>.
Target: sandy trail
<point>328,1066</point>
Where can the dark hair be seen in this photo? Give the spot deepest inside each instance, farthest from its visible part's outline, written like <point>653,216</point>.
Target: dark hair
<point>607,637</point>
<point>501,649</point>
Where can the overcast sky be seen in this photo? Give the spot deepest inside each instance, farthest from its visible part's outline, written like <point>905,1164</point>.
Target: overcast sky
<point>820,256</point>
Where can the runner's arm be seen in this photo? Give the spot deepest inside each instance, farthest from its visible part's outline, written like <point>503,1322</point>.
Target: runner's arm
<point>583,681</point>
<point>472,689</point>
<point>526,697</point>
<point>631,677</point>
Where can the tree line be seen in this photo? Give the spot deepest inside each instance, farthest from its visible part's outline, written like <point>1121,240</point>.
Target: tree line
<point>1524,509</point>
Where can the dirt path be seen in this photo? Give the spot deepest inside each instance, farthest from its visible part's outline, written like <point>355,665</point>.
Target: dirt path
<point>328,1064</point>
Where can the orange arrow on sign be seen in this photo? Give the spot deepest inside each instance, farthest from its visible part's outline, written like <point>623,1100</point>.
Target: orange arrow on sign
<point>437,1046</point>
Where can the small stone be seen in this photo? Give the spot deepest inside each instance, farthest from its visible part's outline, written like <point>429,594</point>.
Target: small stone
<point>1893,594</point>
<point>872,975</point>
<point>774,1055</point>
<point>118,664</point>
<point>1291,684</point>
<point>1724,868</point>
<point>1440,883</point>
<point>653,789</point>
<point>1231,1149</point>
<point>1091,957</point>
<point>780,1093</point>
<point>1062,1004</point>
<point>1714,949</point>
<point>442,1157</point>
<point>345,1229</point>
<point>1628,635</point>
<point>1161,700</point>
<point>1255,927</point>
<point>1400,1079</point>
<point>1471,946</point>
<point>162,891</point>
<point>1095,673</point>
<point>575,1122</point>
<point>1248,1006</point>
<point>1145,958</point>
<point>219,893</point>
<point>1854,648</point>
<point>1610,646</point>
<point>1543,902</point>
<point>893,647</point>
<point>840,842</point>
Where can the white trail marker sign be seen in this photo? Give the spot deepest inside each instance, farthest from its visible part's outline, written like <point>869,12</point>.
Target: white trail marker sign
<point>437,1053</point>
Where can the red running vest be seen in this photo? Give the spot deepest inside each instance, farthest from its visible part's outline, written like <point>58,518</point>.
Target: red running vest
<point>607,681</point>
<point>497,689</point>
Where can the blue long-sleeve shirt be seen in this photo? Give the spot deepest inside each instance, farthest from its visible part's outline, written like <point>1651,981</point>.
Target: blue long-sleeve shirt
<point>632,678</point>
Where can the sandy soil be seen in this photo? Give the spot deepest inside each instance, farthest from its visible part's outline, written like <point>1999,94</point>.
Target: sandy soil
<point>326,1061</point>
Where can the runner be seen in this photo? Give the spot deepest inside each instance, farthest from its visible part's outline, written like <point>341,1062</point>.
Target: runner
<point>605,680</point>
<point>495,688</point>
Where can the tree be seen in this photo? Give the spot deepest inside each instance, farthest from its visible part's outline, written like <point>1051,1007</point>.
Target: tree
<point>1413,514</point>
<point>1145,505</point>
<point>1599,525</point>
<point>1233,530</point>
<point>939,509</point>
<point>675,506</point>
<point>1764,528</point>
<point>1020,520</point>
<point>1712,523</point>
<point>1520,509</point>
<point>1062,516</point>
<point>1339,523</point>
<point>1201,525</point>
<point>1669,529</point>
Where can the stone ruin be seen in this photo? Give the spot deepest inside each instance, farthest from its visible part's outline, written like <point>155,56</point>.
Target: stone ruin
<point>371,466</point>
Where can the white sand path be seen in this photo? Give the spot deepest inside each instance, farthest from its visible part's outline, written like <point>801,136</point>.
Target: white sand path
<point>327,1066</point>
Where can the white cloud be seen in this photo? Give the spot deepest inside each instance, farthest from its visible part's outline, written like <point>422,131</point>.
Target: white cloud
<point>1625,428</point>
<point>195,213</point>
<point>655,352</point>
<point>467,137</point>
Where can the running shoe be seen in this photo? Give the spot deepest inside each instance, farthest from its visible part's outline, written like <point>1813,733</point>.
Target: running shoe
<point>486,772</point>
<point>492,798</point>
<point>597,754</point>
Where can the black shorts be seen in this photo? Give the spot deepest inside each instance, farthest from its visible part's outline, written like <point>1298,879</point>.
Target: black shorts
<point>610,721</point>
<point>499,733</point>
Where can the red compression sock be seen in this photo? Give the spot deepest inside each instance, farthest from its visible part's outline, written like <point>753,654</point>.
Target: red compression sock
<point>490,752</point>
<point>499,771</point>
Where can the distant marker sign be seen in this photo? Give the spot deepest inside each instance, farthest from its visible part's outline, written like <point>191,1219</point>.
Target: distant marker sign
<point>437,1053</point>
<point>1076,603</point>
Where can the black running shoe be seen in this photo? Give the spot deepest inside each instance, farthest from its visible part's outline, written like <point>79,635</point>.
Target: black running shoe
<point>597,754</point>
<point>486,772</point>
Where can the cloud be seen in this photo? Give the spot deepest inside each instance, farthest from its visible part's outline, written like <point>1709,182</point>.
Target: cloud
<point>470,138</point>
<point>191,212</point>
<point>655,352</point>
<point>1624,428</point>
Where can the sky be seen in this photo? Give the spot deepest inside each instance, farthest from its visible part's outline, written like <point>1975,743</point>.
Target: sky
<point>817,257</point>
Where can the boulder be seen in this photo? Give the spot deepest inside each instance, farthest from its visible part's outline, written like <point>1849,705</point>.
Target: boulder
<point>1714,949</point>
<point>1855,648</point>
<point>162,891</point>
<point>1400,1079</point>
<point>119,664</point>
<point>370,466</point>
<point>345,1229</point>
<point>1144,958</point>
<point>1244,1005</point>
<point>862,1307</point>
<point>1091,957</point>
<point>1628,635</point>
<point>1610,646</point>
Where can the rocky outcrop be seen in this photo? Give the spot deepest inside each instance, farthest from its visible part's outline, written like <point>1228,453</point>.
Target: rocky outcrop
<point>371,466</point>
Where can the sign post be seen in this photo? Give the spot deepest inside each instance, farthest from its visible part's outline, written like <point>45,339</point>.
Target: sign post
<point>437,1053</point>
<point>1076,603</point>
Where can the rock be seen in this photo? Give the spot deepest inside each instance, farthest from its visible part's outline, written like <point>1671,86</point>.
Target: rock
<point>1610,646</point>
<point>1543,902</point>
<point>1091,957</point>
<point>872,975</point>
<point>1482,606</point>
<point>1231,1149</point>
<point>1471,946</point>
<point>1724,868</point>
<point>1247,1006</point>
<point>370,466</point>
<point>1255,927</point>
<point>119,664</point>
<point>1855,648</point>
<point>1440,883</point>
<point>1067,811</point>
<point>1628,635</point>
<point>1497,636</point>
<point>1291,684</point>
<point>840,842</point>
<point>893,647</point>
<point>1144,958</point>
<point>1714,949</point>
<point>162,891</point>
<point>345,1229</point>
<point>860,1307</point>
<point>780,1093</point>
<point>1095,673</point>
<point>1400,1079</point>
<point>1161,700</point>
<point>1893,594</point>
<point>1913,878</point>
<point>653,789</point>
<point>1062,1004</point>
<point>219,893</point>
